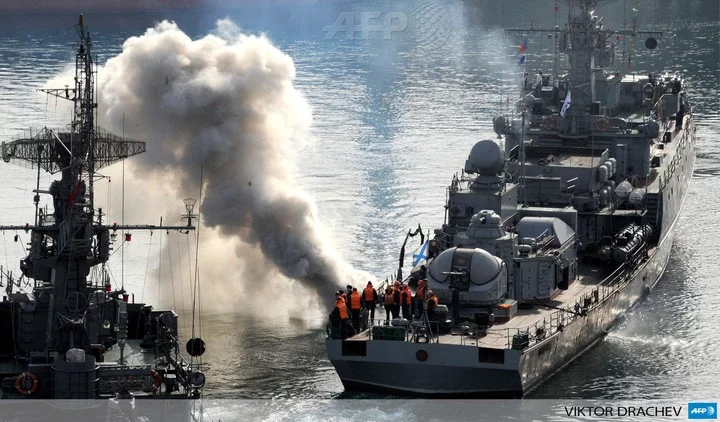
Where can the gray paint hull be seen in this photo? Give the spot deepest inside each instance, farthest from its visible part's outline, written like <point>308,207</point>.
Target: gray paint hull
<point>455,370</point>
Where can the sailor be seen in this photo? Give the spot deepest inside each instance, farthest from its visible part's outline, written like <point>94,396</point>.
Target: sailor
<point>348,290</point>
<point>432,303</point>
<point>355,308</point>
<point>538,83</point>
<point>342,296</point>
<point>405,299</point>
<point>339,315</point>
<point>396,300</point>
<point>420,297</point>
<point>370,297</point>
<point>389,302</point>
<point>526,81</point>
<point>680,115</point>
<point>455,303</point>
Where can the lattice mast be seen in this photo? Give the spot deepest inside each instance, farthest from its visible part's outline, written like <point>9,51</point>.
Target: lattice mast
<point>589,48</point>
<point>65,246</point>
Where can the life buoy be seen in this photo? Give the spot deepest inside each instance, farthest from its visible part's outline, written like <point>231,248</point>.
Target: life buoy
<point>548,123</point>
<point>602,125</point>
<point>26,383</point>
<point>157,381</point>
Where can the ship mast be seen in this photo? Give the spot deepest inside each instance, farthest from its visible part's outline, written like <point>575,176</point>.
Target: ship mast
<point>65,246</point>
<point>586,43</point>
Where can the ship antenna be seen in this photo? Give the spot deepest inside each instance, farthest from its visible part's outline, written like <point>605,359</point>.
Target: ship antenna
<point>522,150</point>
<point>557,28</point>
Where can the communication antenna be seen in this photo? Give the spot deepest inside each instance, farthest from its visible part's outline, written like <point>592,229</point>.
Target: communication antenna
<point>189,207</point>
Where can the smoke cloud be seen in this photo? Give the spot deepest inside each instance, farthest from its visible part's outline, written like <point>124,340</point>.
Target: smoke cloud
<point>226,102</point>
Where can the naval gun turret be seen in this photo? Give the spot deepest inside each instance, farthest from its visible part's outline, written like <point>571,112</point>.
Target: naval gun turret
<point>480,277</point>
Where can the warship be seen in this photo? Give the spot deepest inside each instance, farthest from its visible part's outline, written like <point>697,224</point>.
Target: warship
<point>547,239</point>
<point>68,332</point>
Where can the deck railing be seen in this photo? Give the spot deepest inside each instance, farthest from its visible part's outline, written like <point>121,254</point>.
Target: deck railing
<point>424,331</point>
<point>521,338</point>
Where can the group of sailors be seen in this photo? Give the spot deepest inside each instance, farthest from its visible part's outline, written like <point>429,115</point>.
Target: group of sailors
<point>353,308</point>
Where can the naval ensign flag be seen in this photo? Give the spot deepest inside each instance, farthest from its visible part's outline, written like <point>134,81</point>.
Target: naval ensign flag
<point>566,104</point>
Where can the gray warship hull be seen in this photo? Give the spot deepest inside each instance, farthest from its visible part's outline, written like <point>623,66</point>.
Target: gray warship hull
<point>545,243</point>
<point>458,371</point>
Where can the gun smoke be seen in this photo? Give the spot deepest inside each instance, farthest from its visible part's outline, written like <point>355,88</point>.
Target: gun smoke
<point>226,102</point>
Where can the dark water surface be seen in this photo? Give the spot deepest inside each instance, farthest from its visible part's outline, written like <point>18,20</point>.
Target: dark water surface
<point>393,120</point>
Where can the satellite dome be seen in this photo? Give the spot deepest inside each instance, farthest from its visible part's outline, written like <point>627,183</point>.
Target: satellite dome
<point>485,158</point>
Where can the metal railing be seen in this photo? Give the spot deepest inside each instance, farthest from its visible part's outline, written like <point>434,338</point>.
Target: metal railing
<point>559,320</point>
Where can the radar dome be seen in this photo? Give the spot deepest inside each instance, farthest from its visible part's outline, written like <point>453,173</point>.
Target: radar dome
<point>485,158</point>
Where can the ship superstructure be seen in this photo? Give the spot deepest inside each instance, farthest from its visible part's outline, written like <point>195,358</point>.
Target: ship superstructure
<point>549,238</point>
<point>67,335</point>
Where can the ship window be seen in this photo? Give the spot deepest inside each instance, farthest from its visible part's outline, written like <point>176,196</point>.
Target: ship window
<point>354,348</point>
<point>489,355</point>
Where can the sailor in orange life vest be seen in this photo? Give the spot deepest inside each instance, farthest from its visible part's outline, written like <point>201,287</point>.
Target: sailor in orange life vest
<point>389,302</point>
<point>432,303</point>
<point>355,307</point>
<point>370,297</point>
<point>405,298</point>
<point>339,315</point>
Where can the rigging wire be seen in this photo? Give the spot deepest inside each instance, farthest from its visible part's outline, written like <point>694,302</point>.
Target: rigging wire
<point>147,265</point>
<point>197,256</point>
<point>122,276</point>
<point>160,264</point>
<point>170,264</point>
<point>182,286</point>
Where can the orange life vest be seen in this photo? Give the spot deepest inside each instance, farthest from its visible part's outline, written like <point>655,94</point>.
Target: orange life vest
<point>342,308</point>
<point>420,293</point>
<point>369,294</point>
<point>389,299</point>
<point>355,301</point>
<point>406,297</point>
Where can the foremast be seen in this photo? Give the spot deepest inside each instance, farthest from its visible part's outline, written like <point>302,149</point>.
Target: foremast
<point>64,246</point>
<point>590,50</point>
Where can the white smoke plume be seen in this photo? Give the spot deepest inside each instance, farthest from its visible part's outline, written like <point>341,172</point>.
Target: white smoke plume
<point>226,102</point>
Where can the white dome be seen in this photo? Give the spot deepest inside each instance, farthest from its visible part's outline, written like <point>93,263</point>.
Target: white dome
<point>485,285</point>
<point>485,158</point>
<point>483,266</point>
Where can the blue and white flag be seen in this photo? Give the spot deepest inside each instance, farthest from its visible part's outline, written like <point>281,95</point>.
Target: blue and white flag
<point>566,104</point>
<point>420,256</point>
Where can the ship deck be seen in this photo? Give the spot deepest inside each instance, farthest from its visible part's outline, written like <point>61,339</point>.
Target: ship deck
<point>134,355</point>
<point>500,335</point>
